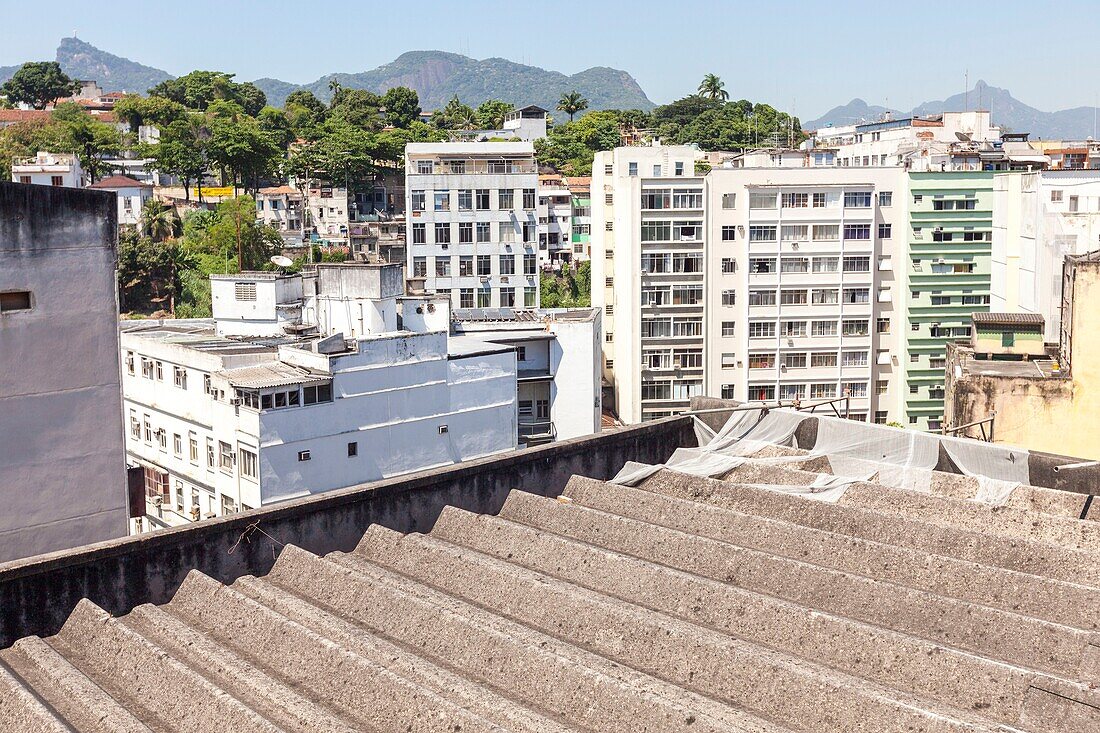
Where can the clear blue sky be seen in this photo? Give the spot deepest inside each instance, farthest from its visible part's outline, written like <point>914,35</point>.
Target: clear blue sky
<point>809,55</point>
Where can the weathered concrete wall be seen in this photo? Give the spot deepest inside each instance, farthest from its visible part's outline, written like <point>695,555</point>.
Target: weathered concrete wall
<point>1040,464</point>
<point>62,461</point>
<point>37,595</point>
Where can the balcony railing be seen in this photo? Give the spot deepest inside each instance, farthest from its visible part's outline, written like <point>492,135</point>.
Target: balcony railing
<point>542,431</point>
<point>491,167</point>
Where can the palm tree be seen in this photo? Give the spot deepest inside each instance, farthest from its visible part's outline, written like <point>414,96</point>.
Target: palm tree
<point>572,103</point>
<point>159,221</point>
<point>713,88</point>
<point>177,258</point>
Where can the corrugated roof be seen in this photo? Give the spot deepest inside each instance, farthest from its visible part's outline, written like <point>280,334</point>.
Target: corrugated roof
<point>1008,319</point>
<point>272,374</point>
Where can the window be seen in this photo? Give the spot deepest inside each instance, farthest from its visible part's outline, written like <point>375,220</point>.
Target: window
<point>483,231</point>
<point>857,231</point>
<point>528,198</point>
<point>506,199</point>
<point>761,298</point>
<point>761,265</point>
<point>795,200</point>
<point>794,361</point>
<point>442,200</point>
<point>317,393</point>
<point>857,264</point>
<point>304,455</point>
<point>1056,196</point>
<point>824,296</point>
<point>729,297</point>
<point>794,264</point>
<point>826,264</point>
<point>248,463</point>
<point>130,362</point>
<point>826,232</point>
<point>465,232</point>
<point>419,232</point>
<point>632,169</point>
<point>729,201</point>
<point>884,231</point>
<point>762,361</point>
<point>820,201</point>
<point>679,168</point>
<point>792,391</point>
<point>466,266</point>
<point>857,199</point>
<point>729,266</point>
<point>425,167</point>
<point>823,359</point>
<point>885,198</point>
<point>484,296</point>
<point>160,371</point>
<point>855,359</point>
<point>507,264</point>
<point>855,327</point>
<point>466,298</point>
<point>442,266</point>
<point>882,325</point>
<point>177,445</point>
<point>761,200</point>
<point>761,329</point>
<point>793,328</point>
<point>508,299</point>
<point>530,264</point>
<point>179,377</point>
<point>823,328</point>
<point>484,265</point>
<point>442,233</point>
<point>135,426</point>
<point>420,266</point>
<point>481,199</point>
<point>353,449</point>
<point>856,296</point>
<point>465,200</point>
<point>418,201</point>
<point>15,300</point>
<point>800,232</point>
<point>193,448</point>
<point>729,328</point>
<point>57,181</point>
<point>793,297</point>
<point>660,198</point>
<point>762,233</point>
<point>761,392</point>
<point>225,456</point>
<point>656,231</point>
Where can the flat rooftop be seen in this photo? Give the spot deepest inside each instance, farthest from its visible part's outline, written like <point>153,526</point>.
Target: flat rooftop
<point>787,575</point>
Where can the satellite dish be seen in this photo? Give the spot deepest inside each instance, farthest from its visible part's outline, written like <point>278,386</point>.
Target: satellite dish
<point>962,136</point>
<point>281,261</point>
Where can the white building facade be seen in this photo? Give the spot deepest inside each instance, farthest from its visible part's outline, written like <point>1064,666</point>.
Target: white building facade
<point>221,422</point>
<point>1039,219</point>
<point>49,169</point>
<point>749,283</point>
<point>132,195</point>
<point>472,227</point>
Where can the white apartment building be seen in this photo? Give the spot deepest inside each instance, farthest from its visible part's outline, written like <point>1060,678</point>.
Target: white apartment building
<point>950,141</point>
<point>558,357</point>
<point>527,123</point>
<point>132,195</point>
<point>749,283</point>
<point>1039,219</point>
<point>648,246</point>
<point>62,458</point>
<point>802,301</point>
<point>49,169</point>
<point>281,207</point>
<point>324,393</point>
<point>555,214</point>
<point>472,231</point>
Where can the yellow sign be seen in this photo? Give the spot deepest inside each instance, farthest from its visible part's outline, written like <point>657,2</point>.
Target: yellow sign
<point>213,191</point>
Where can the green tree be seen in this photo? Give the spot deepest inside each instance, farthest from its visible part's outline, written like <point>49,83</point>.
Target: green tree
<point>455,116</point>
<point>304,112</point>
<point>491,112</point>
<point>357,107</point>
<point>181,151</point>
<point>570,148</point>
<point>402,106</point>
<point>137,111</point>
<point>39,84</point>
<point>571,103</point>
<point>235,236</point>
<point>199,89</point>
<point>159,221</point>
<point>90,139</point>
<point>239,146</point>
<point>276,124</point>
<point>712,87</point>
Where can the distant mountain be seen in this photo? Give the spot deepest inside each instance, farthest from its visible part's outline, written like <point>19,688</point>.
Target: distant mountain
<point>852,113</point>
<point>437,76</point>
<point>1076,123</point>
<point>82,60</point>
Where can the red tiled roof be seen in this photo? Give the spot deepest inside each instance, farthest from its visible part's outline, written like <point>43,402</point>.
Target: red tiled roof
<point>23,115</point>
<point>120,182</point>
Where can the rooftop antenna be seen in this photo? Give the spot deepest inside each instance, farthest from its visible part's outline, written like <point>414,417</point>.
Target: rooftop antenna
<point>966,93</point>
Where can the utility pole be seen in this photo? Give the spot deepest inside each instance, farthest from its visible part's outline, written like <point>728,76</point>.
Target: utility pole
<point>240,251</point>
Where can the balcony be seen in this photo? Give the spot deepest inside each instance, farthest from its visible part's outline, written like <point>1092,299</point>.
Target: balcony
<point>537,432</point>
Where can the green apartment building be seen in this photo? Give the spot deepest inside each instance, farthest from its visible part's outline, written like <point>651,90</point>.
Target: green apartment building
<point>581,224</point>
<point>949,240</point>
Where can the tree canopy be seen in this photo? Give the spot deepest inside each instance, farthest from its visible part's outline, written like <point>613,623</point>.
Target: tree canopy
<point>199,89</point>
<point>39,84</point>
<point>572,103</point>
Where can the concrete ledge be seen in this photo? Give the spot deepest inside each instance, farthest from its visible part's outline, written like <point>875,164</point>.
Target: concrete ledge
<point>38,594</point>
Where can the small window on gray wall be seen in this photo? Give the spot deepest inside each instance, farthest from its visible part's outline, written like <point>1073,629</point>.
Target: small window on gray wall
<point>15,300</point>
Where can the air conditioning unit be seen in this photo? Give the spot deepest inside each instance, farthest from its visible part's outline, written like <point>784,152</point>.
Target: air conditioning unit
<point>484,279</point>
<point>445,246</point>
<point>504,278</point>
<point>235,401</point>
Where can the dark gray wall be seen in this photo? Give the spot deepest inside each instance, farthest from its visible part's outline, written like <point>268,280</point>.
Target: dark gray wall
<point>37,595</point>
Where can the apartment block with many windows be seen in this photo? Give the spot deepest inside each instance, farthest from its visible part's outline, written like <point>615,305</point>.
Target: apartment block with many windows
<point>948,274</point>
<point>473,230</point>
<point>801,292</point>
<point>647,249</point>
